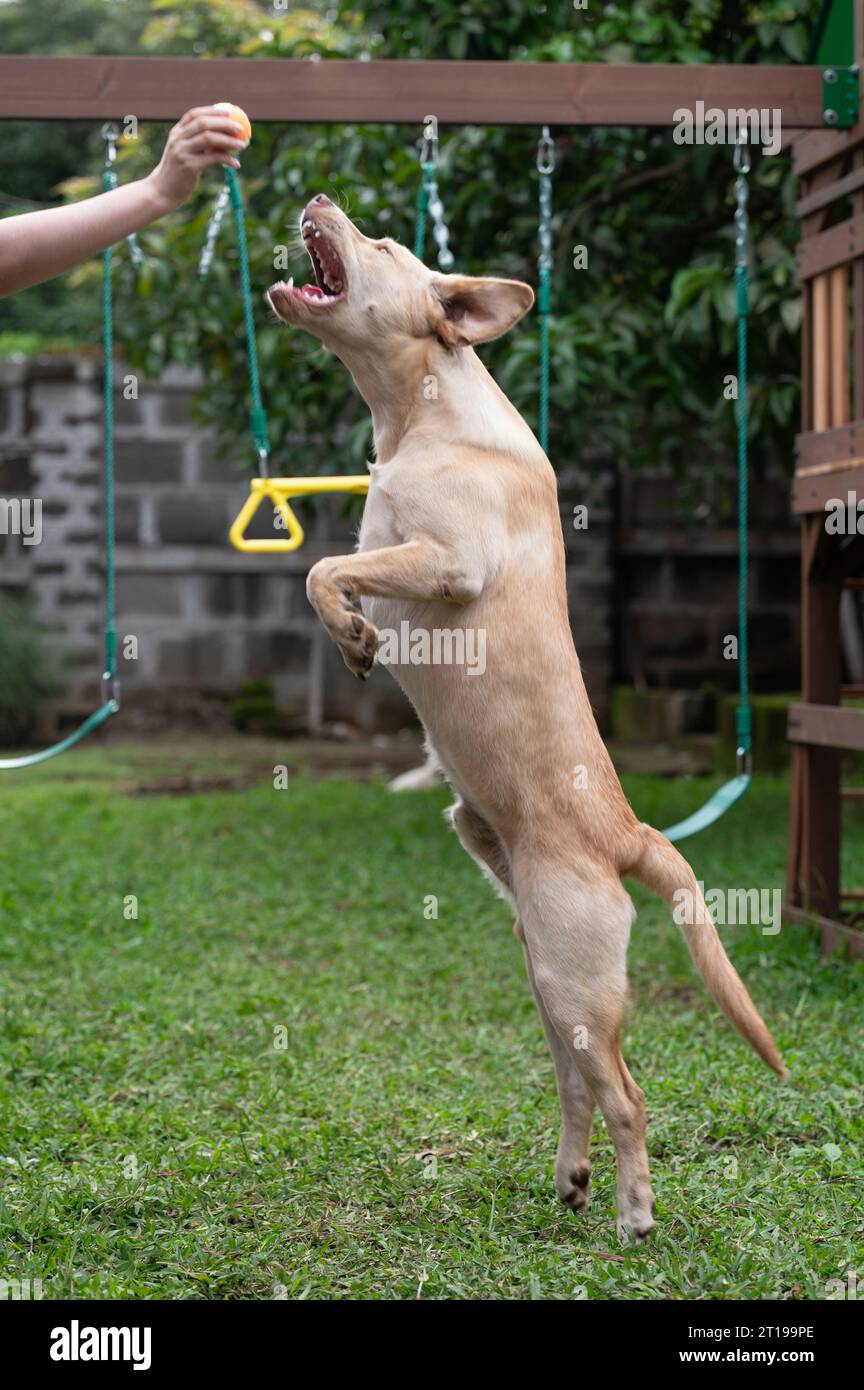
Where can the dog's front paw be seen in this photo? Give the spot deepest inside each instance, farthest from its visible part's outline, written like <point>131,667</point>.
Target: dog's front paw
<point>358,645</point>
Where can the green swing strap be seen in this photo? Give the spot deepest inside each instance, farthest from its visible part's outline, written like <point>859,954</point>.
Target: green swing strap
<point>232,193</point>
<point>732,791</point>
<point>258,415</point>
<point>545,166</point>
<point>109,678</point>
<point>29,760</point>
<point>713,809</point>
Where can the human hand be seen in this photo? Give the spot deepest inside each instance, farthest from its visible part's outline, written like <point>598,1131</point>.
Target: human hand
<point>202,137</point>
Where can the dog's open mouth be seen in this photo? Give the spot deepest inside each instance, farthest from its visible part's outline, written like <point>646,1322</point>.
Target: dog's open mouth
<point>330,285</point>
<point>329,270</point>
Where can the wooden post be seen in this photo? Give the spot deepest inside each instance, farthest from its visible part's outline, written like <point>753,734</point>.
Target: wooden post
<point>839,358</point>
<point>818,885</point>
<point>858,267</point>
<point>830,453</point>
<point>813,870</point>
<point>858,309</point>
<point>821,398</point>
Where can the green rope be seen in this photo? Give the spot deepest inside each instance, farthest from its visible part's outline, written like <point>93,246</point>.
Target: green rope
<point>258,415</point>
<point>743,716</point>
<point>112,705</point>
<point>728,794</point>
<point>108,182</point>
<point>544,302</point>
<point>545,168</point>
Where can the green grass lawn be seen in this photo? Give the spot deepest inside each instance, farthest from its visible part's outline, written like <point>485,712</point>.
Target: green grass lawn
<point>283,1079</point>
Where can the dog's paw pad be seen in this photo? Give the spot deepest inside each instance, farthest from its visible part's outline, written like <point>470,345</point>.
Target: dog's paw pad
<point>634,1234</point>
<point>636,1214</point>
<point>358,645</point>
<point>575,1190</point>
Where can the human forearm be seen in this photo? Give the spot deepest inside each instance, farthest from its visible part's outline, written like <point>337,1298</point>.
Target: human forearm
<point>39,245</point>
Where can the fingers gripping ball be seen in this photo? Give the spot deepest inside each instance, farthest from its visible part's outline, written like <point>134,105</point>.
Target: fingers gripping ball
<point>236,113</point>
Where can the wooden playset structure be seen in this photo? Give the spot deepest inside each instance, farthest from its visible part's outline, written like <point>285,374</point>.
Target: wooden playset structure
<point>819,111</point>
<point>829,469</point>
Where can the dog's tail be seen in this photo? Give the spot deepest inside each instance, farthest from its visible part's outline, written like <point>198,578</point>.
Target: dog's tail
<point>666,872</point>
<point>418,779</point>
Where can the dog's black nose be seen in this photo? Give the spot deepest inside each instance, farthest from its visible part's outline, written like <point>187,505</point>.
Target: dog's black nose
<point>322,199</point>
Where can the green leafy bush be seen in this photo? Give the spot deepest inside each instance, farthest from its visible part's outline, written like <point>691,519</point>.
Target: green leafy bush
<point>25,676</point>
<point>255,711</point>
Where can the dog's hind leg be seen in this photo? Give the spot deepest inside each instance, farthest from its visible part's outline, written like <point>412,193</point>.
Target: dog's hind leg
<point>477,836</point>
<point>576,931</point>
<point>572,1165</point>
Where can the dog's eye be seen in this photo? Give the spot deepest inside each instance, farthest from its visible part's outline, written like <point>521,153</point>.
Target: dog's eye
<point>382,246</point>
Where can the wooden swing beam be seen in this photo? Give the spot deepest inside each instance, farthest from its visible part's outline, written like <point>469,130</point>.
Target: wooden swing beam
<point>336,91</point>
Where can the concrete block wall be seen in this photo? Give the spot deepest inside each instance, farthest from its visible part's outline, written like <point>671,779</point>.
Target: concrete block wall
<point>50,426</point>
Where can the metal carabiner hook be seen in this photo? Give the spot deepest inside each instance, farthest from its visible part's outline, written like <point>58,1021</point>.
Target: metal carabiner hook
<point>110,688</point>
<point>545,152</point>
<point>741,157</point>
<point>429,147</point>
<point>110,135</point>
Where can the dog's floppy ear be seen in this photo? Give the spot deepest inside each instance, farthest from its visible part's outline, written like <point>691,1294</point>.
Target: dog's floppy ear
<point>475,309</point>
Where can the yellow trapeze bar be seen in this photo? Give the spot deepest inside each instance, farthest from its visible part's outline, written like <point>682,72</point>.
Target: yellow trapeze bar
<point>278,490</point>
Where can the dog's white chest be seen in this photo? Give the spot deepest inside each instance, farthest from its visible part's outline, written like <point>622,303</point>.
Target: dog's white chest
<point>378,528</point>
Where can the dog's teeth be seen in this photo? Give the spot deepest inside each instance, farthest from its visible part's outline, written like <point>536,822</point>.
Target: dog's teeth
<point>290,284</point>
<point>317,234</point>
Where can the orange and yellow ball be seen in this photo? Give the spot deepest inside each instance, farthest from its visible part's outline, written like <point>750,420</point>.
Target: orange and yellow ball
<point>238,115</point>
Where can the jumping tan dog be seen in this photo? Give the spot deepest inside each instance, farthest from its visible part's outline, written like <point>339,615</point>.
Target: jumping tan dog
<point>461,529</point>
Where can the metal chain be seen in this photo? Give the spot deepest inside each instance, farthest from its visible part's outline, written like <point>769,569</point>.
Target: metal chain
<point>213,228</point>
<point>429,200</point>
<point>545,168</point>
<point>440,232</point>
<point>741,162</point>
<point>109,180</point>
